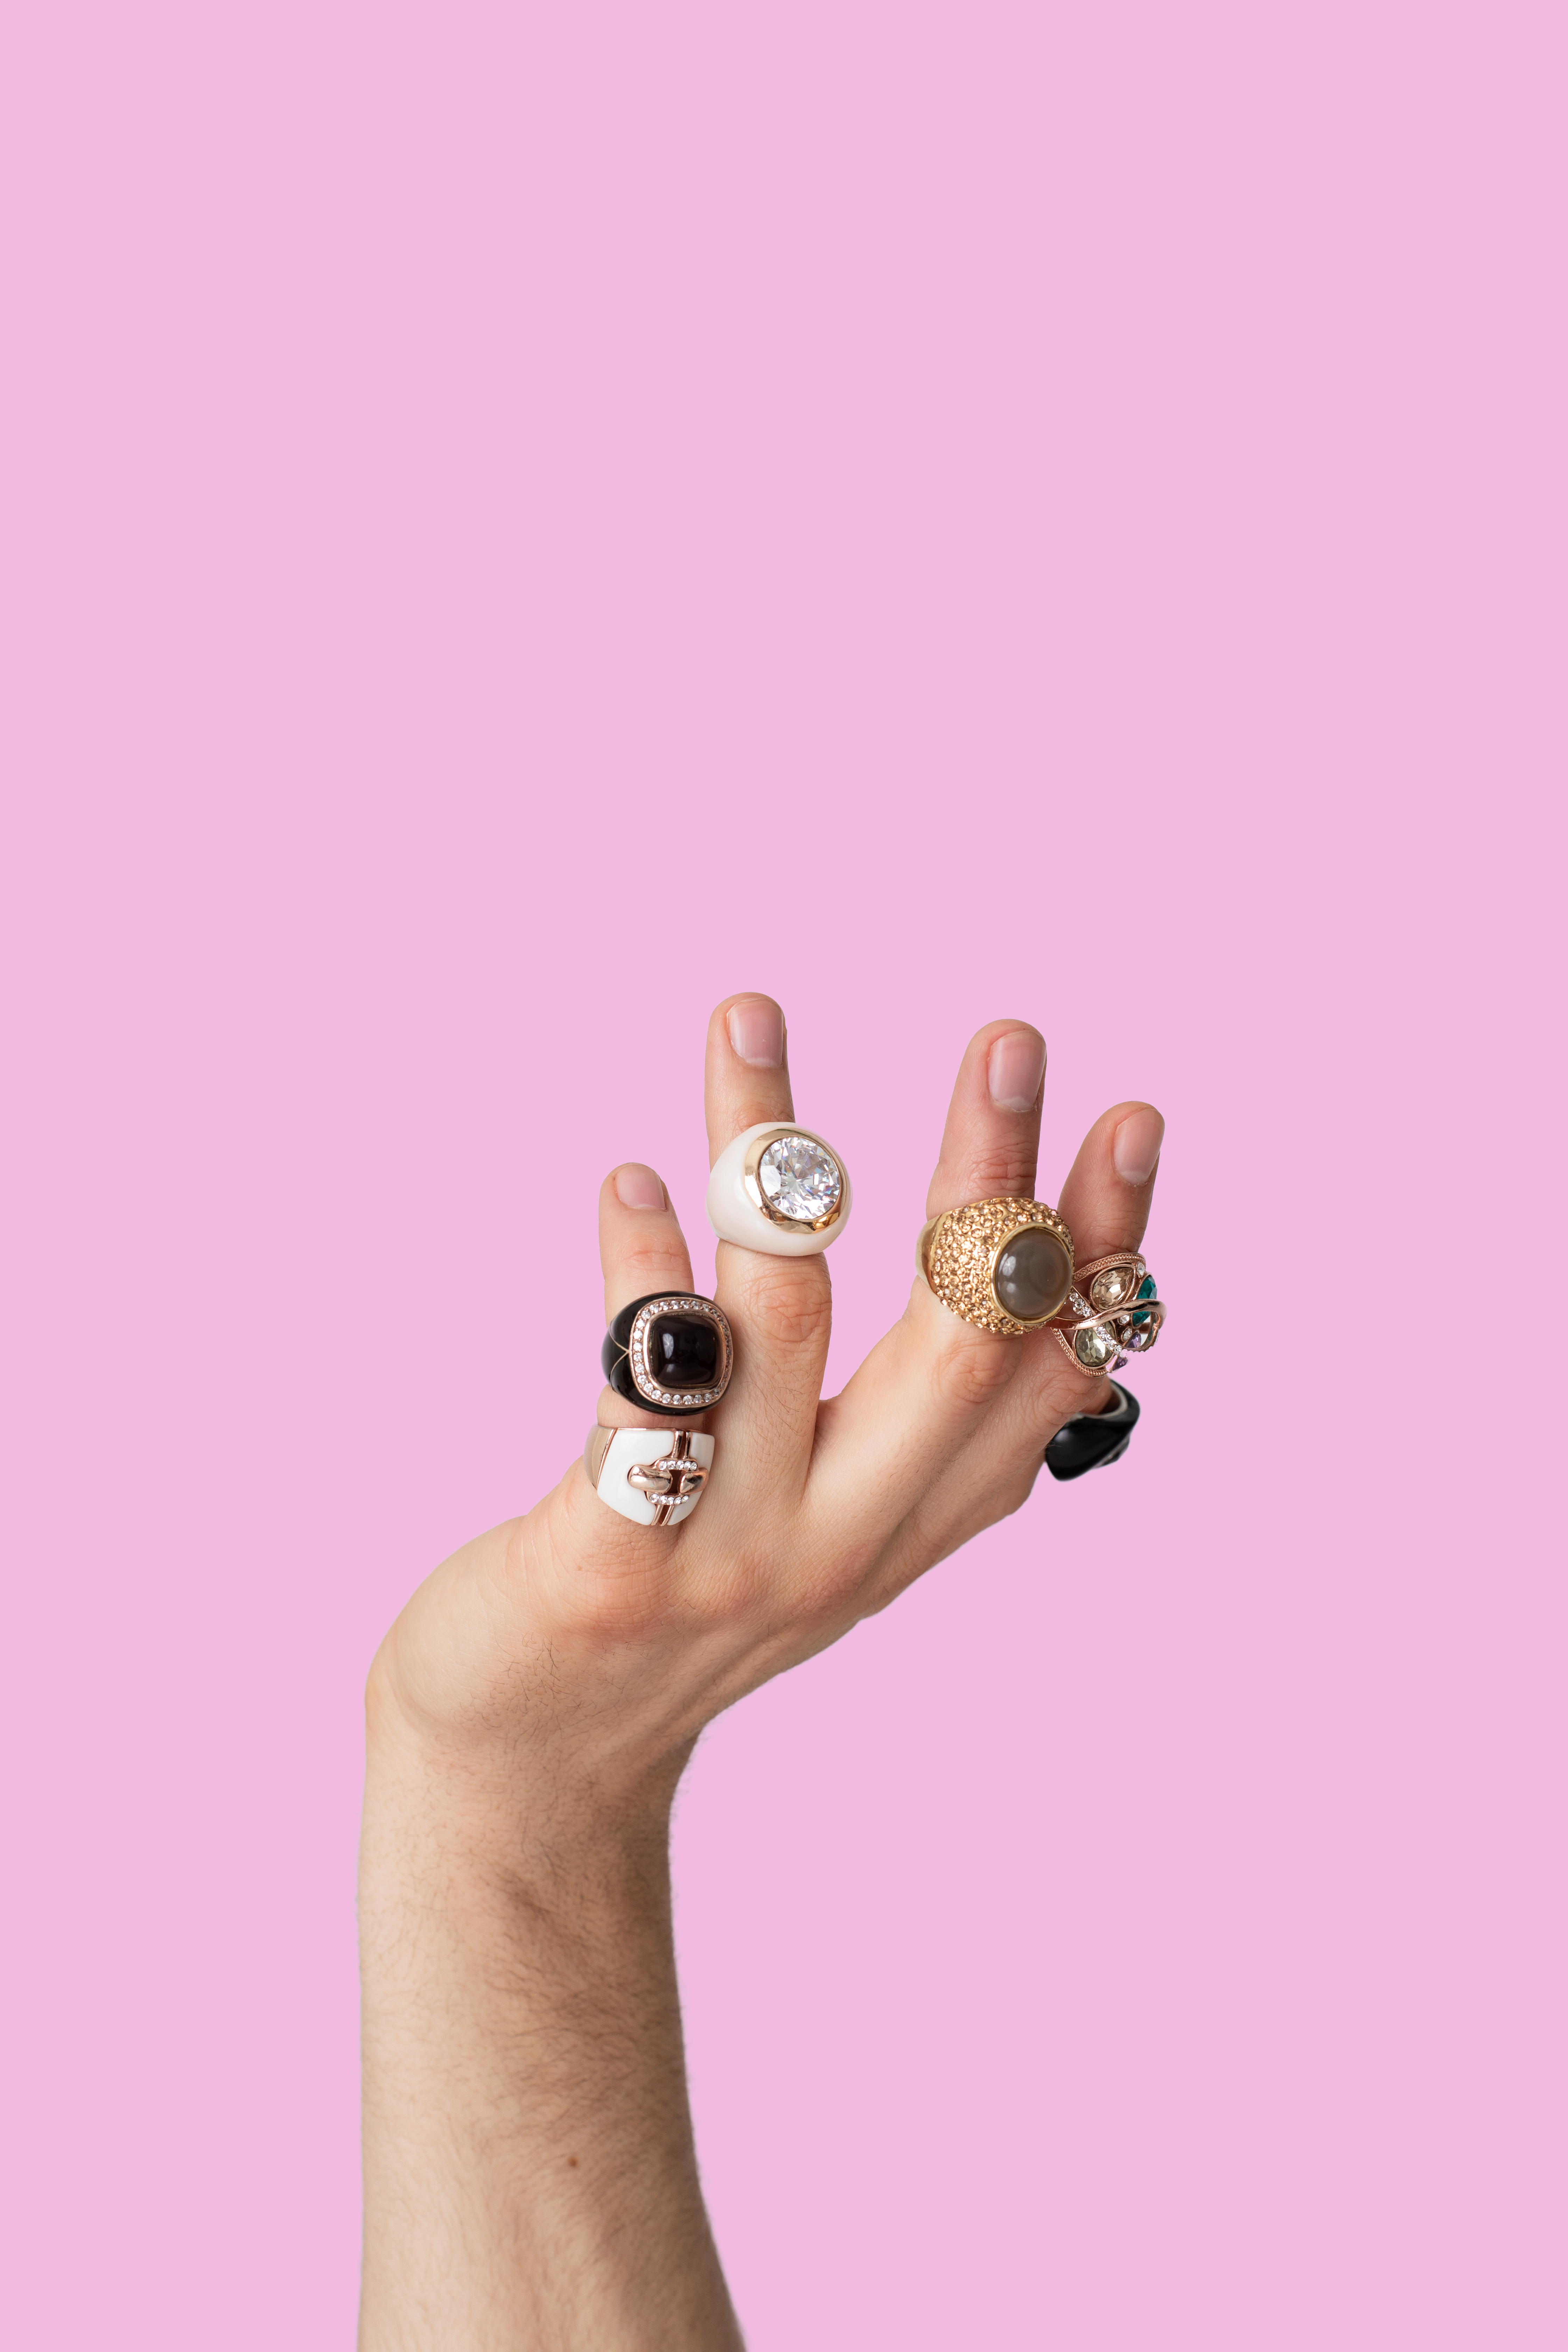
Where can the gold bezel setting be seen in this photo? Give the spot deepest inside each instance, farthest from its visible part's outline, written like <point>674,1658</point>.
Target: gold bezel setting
<point>751,1177</point>
<point>643,1380</point>
<point>959,1251</point>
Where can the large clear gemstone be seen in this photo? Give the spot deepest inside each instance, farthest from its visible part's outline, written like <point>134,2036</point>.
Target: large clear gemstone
<point>1096,1346</point>
<point>1108,1289</point>
<point>800,1180</point>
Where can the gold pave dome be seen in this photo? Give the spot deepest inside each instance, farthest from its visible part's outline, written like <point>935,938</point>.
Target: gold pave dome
<point>965,1254</point>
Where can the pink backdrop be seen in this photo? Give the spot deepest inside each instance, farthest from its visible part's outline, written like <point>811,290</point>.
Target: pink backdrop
<point>517,522</point>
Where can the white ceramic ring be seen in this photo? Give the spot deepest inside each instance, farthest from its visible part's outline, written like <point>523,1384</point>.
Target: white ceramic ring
<point>779,1189</point>
<point>654,1478</point>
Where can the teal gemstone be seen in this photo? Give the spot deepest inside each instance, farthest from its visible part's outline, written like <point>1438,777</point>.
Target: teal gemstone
<point>1145,1290</point>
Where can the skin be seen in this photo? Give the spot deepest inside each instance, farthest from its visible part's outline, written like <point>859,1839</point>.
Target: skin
<point>529,2175</point>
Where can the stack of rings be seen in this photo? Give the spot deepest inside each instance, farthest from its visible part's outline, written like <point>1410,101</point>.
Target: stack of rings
<point>670,1354</point>
<point>1005,1265</point>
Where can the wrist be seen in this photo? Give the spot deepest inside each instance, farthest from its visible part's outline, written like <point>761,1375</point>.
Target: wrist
<point>511,1811</point>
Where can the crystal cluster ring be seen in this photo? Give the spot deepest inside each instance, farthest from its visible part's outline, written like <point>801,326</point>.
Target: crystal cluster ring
<point>1116,1311</point>
<point>671,1353</point>
<point>1004,1264</point>
<point>654,1478</point>
<point>779,1190</point>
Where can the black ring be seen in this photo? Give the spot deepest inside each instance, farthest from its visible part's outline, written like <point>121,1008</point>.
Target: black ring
<point>1091,1438</point>
<point>677,1362</point>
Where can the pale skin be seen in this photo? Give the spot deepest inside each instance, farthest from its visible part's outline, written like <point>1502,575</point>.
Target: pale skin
<point>530,2174</point>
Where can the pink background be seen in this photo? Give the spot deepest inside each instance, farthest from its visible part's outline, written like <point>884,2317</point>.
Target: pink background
<point>517,522</point>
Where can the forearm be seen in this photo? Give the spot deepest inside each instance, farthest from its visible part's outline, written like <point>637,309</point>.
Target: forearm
<point>529,2175</point>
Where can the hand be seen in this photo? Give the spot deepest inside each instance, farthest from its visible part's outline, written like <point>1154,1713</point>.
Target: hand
<point>529,2173</point>
<point>608,1647</point>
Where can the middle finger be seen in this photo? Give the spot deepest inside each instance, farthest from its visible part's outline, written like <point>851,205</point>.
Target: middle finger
<point>922,1392</point>
<point>780,1307</point>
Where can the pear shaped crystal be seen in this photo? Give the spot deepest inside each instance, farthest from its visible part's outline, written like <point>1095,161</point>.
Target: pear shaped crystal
<point>1109,1289</point>
<point>1094,1346</point>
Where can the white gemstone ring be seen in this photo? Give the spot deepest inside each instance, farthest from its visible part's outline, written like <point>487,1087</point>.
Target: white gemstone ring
<point>781,1190</point>
<point>1121,1315</point>
<point>654,1478</point>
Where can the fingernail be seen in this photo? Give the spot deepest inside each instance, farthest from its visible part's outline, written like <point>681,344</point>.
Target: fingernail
<point>1137,1146</point>
<point>1014,1068</point>
<point>637,1187</point>
<point>756,1033</point>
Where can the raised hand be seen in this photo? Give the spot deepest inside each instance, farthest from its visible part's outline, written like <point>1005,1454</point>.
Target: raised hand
<point>529,2175</point>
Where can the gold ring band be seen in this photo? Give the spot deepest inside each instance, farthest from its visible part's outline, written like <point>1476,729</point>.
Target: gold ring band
<point>1004,1264</point>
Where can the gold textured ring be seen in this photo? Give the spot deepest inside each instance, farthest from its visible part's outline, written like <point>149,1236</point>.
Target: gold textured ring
<point>1114,1310</point>
<point>1006,1264</point>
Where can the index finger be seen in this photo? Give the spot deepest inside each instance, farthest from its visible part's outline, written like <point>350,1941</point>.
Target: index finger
<point>780,1307</point>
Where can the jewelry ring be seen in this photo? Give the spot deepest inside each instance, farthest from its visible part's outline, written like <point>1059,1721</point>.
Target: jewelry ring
<point>1087,1440</point>
<point>670,1354</point>
<point>779,1189</point>
<point>1121,1315</point>
<point>654,1477</point>
<point>1006,1264</point>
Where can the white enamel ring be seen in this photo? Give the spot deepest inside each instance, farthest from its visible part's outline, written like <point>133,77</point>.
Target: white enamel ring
<point>654,1478</point>
<point>779,1189</point>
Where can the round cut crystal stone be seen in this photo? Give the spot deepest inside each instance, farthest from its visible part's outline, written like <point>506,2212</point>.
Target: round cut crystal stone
<point>800,1180</point>
<point>1095,1346</point>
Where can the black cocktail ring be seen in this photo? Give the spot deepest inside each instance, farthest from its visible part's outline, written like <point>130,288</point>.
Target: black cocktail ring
<point>669,1354</point>
<point>1091,1438</point>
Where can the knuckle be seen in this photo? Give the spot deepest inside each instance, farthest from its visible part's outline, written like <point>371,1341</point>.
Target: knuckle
<point>789,1304</point>
<point>1060,1395</point>
<point>655,1268</point>
<point>1016,1492</point>
<point>999,1167</point>
<point>973,1370</point>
